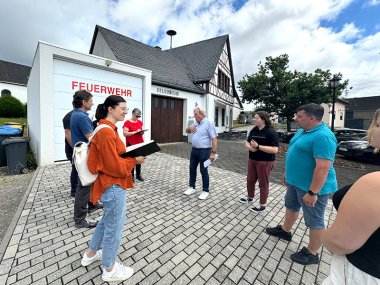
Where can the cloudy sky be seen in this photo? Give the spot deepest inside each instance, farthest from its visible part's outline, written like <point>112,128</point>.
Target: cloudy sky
<point>340,35</point>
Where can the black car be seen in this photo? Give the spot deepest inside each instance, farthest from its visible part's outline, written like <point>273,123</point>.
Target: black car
<point>287,136</point>
<point>346,134</point>
<point>358,150</point>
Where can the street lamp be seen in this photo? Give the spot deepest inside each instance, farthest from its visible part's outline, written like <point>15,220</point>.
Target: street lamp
<point>334,83</point>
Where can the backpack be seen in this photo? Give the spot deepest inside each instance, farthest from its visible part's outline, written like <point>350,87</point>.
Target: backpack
<point>80,158</point>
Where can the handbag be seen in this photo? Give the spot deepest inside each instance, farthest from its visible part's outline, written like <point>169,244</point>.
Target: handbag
<point>80,158</point>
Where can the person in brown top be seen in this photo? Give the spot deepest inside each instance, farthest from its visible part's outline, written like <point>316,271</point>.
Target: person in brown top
<point>114,178</point>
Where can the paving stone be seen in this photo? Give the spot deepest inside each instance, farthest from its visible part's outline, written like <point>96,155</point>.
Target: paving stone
<point>194,271</point>
<point>179,269</point>
<point>183,280</point>
<point>221,273</point>
<point>151,267</point>
<point>55,276</point>
<point>174,238</point>
<point>136,278</point>
<point>165,268</point>
<point>208,271</point>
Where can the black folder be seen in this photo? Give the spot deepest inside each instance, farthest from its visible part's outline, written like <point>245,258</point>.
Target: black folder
<point>141,149</point>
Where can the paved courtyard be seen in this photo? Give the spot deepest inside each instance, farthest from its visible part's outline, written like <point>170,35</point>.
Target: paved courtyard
<point>169,238</point>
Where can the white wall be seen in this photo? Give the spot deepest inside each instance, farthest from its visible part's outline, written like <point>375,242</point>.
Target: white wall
<point>50,90</point>
<point>17,91</point>
<point>340,112</point>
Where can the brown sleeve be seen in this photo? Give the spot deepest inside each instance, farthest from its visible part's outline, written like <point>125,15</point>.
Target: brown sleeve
<point>103,156</point>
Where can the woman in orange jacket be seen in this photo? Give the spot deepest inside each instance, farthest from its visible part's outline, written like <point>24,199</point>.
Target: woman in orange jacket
<point>110,188</point>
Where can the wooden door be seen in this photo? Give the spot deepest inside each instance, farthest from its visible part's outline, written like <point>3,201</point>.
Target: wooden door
<point>167,116</point>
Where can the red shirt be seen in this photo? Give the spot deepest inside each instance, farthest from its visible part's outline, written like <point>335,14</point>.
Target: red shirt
<point>104,158</point>
<point>133,126</point>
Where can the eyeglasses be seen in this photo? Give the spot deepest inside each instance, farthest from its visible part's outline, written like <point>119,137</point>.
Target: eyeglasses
<point>138,116</point>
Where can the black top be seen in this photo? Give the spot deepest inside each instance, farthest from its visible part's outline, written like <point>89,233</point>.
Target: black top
<point>366,258</point>
<point>66,125</point>
<point>266,136</point>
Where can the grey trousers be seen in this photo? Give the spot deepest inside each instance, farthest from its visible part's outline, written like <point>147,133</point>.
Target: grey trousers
<point>82,196</point>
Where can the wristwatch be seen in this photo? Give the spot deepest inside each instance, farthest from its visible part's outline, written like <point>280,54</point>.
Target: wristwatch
<point>213,151</point>
<point>311,193</point>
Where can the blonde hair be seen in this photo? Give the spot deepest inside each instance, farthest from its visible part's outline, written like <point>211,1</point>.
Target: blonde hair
<point>372,126</point>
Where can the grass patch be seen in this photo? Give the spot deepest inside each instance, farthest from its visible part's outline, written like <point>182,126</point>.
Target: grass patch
<point>16,120</point>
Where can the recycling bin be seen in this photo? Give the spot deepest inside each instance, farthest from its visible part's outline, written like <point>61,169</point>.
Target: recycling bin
<point>6,132</point>
<point>16,153</point>
<point>14,125</point>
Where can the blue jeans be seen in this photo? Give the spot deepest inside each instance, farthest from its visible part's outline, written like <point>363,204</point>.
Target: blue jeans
<point>109,230</point>
<point>73,175</point>
<point>199,156</point>
<point>314,216</point>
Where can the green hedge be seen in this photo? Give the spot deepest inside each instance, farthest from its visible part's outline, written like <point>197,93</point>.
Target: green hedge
<point>11,107</point>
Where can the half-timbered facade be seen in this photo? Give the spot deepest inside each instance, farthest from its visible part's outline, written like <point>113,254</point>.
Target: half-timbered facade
<point>200,73</point>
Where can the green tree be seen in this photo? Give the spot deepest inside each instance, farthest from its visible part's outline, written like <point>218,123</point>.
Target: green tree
<point>280,90</point>
<point>11,107</point>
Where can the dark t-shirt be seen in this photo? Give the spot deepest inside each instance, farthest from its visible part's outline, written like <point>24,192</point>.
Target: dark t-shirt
<point>66,125</point>
<point>366,258</point>
<point>266,136</point>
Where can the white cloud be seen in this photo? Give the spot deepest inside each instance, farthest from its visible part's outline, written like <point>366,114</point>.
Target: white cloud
<point>349,32</point>
<point>374,2</point>
<point>260,28</point>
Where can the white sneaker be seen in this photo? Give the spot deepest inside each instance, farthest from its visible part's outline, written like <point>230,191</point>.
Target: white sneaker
<point>203,195</point>
<point>89,260</point>
<point>189,191</point>
<point>119,273</point>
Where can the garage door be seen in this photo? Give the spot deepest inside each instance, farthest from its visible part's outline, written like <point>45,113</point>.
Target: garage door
<point>167,119</point>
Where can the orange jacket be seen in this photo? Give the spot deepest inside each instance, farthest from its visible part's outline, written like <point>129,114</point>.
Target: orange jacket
<point>104,158</point>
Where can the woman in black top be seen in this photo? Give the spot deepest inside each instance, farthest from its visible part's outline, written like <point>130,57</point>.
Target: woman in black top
<point>354,237</point>
<point>262,144</point>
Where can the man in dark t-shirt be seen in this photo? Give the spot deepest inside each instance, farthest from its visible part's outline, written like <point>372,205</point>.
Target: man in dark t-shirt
<point>69,153</point>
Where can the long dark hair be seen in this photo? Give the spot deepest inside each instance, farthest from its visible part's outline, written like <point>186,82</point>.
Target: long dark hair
<point>102,109</point>
<point>265,117</point>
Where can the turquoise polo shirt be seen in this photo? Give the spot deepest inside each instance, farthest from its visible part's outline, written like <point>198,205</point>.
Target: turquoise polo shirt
<point>304,148</point>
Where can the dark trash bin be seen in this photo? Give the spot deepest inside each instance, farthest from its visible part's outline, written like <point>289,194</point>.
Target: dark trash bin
<point>6,132</point>
<point>16,150</point>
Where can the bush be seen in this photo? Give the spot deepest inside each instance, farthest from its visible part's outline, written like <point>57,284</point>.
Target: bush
<point>31,161</point>
<point>11,107</point>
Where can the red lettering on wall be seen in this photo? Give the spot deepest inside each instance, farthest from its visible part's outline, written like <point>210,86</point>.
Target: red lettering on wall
<point>74,84</point>
<point>102,89</point>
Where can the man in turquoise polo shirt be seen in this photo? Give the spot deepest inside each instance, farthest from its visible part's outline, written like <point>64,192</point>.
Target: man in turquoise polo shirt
<point>310,179</point>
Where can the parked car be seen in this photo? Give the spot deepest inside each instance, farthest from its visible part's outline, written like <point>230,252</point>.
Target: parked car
<point>346,134</point>
<point>358,150</point>
<point>286,136</point>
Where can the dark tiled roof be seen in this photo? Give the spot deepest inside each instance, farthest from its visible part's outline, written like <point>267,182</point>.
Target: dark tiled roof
<point>167,70</point>
<point>14,73</point>
<point>201,58</point>
<point>363,103</point>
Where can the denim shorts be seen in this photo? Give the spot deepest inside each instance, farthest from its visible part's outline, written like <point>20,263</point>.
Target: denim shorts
<point>314,217</point>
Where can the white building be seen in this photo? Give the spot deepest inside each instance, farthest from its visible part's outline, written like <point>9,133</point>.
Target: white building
<point>13,79</point>
<point>57,74</point>
<point>200,73</point>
